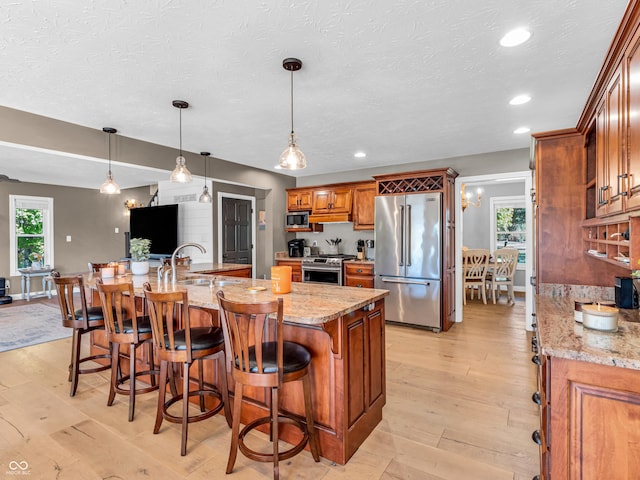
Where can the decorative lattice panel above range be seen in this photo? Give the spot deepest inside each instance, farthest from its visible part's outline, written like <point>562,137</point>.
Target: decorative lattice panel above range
<point>411,185</point>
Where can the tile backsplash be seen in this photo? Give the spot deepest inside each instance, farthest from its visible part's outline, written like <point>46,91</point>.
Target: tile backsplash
<point>343,231</point>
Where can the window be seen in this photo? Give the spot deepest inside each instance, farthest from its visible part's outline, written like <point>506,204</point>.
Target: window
<point>31,227</point>
<point>508,225</point>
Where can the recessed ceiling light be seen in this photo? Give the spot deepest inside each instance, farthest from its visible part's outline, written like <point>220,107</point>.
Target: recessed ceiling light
<point>515,37</point>
<point>522,130</point>
<point>360,155</point>
<point>519,100</point>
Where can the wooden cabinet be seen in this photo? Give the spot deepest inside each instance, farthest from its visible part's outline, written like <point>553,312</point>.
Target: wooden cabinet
<point>632,71</point>
<point>358,274</point>
<point>296,268</point>
<point>331,200</point>
<point>364,196</point>
<point>594,420</point>
<point>299,199</point>
<point>611,168</point>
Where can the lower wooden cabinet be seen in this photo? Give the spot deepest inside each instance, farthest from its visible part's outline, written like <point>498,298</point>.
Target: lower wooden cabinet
<point>590,425</point>
<point>358,274</point>
<point>296,268</point>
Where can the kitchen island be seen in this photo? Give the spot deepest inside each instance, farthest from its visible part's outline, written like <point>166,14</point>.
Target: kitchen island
<point>588,392</point>
<point>343,328</point>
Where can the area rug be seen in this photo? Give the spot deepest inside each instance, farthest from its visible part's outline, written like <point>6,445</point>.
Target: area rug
<point>25,325</point>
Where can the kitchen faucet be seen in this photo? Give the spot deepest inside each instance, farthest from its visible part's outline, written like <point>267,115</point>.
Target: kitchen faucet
<point>175,252</point>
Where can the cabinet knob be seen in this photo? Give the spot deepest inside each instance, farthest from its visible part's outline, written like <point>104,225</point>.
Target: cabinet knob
<point>536,437</point>
<point>536,398</point>
<point>359,285</point>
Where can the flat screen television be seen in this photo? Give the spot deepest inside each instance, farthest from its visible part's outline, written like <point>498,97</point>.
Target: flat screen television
<point>158,224</point>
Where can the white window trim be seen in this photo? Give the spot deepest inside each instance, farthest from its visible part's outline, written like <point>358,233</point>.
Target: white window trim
<point>517,201</point>
<point>47,220</point>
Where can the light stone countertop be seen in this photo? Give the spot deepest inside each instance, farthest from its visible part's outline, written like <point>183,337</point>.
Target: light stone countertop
<point>307,303</point>
<point>559,335</point>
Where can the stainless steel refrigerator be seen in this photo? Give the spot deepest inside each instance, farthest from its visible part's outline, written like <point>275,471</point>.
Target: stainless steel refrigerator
<point>408,262</point>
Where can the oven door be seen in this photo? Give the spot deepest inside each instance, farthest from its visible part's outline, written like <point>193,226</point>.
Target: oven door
<point>315,274</point>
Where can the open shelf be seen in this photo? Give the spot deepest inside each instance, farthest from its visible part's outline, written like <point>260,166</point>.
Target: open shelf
<point>611,240</point>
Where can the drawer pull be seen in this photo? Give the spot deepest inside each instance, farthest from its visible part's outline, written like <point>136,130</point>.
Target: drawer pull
<point>536,398</point>
<point>536,437</point>
<point>358,270</point>
<point>359,285</point>
<point>536,359</point>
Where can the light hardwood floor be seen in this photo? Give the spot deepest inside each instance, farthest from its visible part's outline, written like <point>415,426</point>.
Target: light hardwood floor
<point>458,407</point>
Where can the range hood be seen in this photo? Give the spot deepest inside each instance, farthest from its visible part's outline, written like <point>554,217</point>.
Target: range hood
<point>330,218</point>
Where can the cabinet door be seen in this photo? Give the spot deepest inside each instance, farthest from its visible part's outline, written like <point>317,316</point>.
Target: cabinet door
<point>322,201</point>
<point>615,143</point>
<point>364,207</point>
<point>633,123</point>
<point>299,200</point>
<point>341,200</point>
<point>602,170</point>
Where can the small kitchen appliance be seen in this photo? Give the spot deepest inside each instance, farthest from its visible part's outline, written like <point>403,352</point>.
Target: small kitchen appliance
<point>626,293</point>
<point>296,247</point>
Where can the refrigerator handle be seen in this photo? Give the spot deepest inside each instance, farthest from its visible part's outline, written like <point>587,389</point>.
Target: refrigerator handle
<point>401,264</point>
<point>404,281</point>
<point>408,249</point>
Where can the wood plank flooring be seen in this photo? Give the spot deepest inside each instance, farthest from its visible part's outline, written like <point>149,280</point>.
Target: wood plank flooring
<point>458,407</point>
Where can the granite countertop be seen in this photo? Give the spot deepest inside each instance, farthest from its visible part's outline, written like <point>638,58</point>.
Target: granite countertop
<point>307,303</point>
<point>559,335</point>
<point>212,267</point>
<point>355,260</point>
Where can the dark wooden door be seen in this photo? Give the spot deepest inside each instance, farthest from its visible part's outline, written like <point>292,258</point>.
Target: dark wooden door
<point>236,231</point>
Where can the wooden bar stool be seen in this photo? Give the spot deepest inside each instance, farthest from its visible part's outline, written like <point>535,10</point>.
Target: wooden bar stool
<point>260,357</point>
<point>125,327</point>
<point>176,343</point>
<point>83,320</point>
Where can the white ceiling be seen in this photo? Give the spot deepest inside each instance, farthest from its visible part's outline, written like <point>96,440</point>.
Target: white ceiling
<point>404,81</point>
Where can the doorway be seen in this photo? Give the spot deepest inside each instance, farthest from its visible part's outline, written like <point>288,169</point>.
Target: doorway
<point>236,235</point>
<point>522,181</point>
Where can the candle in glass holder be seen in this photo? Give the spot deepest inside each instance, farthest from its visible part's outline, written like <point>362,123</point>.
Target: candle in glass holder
<point>281,279</point>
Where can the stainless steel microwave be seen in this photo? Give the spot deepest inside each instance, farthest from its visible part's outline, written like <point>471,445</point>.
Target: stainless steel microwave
<point>297,220</point>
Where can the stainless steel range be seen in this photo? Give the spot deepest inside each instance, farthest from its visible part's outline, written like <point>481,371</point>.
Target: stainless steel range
<point>324,269</point>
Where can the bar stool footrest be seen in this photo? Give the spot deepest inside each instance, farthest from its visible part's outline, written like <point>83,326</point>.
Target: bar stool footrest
<point>192,418</point>
<point>268,457</point>
<point>94,369</point>
<point>125,391</point>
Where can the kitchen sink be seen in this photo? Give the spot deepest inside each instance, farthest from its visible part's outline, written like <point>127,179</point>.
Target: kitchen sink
<point>208,282</point>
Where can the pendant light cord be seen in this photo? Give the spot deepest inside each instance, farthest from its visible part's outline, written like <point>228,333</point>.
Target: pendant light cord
<point>109,154</point>
<point>205,171</point>
<point>180,131</point>
<point>292,101</point>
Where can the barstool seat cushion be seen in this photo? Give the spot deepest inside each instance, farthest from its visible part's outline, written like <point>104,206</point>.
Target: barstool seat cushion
<point>94,313</point>
<point>295,357</point>
<point>202,338</point>
<point>144,325</point>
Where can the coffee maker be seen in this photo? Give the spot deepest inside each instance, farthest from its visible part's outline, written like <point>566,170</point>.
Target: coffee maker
<point>626,293</point>
<point>296,247</point>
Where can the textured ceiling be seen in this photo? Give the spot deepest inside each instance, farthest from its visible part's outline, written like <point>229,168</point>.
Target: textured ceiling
<point>404,81</point>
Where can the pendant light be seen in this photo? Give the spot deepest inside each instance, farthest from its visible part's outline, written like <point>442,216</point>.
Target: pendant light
<point>292,158</point>
<point>206,196</point>
<point>109,186</point>
<point>180,174</point>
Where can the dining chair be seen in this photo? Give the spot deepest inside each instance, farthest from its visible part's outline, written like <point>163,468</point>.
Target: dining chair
<point>475,264</point>
<point>502,272</point>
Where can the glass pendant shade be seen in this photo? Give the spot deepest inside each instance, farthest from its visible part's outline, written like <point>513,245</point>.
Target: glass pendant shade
<point>206,196</point>
<point>181,173</point>
<point>110,187</point>
<point>292,157</point>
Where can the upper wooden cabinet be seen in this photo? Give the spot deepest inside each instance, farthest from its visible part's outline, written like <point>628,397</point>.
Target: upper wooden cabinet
<point>632,71</point>
<point>299,199</point>
<point>611,166</point>
<point>364,196</point>
<point>331,200</point>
